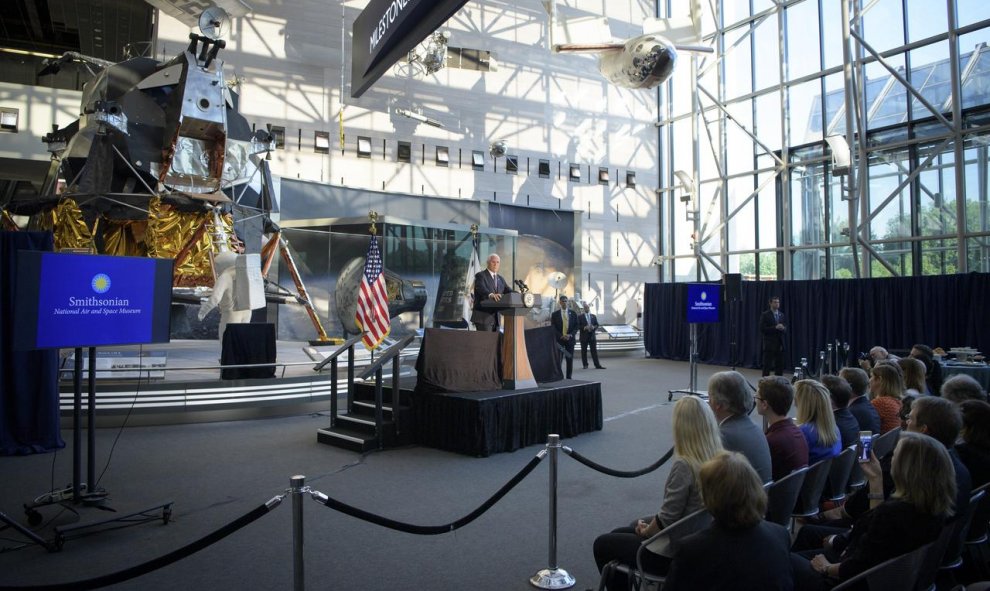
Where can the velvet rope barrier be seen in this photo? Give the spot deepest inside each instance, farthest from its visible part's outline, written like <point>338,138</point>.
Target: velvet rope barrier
<point>430,530</point>
<point>162,561</point>
<point>618,473</point>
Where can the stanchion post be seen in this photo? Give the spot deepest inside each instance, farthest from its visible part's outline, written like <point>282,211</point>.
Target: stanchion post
<point>297,488</point>
<point>553,577</point>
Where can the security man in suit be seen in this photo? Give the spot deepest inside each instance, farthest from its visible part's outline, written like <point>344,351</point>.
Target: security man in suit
<point>588,324</point>
<point>488,284</point>
<point>773,326</point>
<point>565,325</point>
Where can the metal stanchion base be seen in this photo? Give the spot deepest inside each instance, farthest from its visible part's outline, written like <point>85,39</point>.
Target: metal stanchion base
<point>552,578</point>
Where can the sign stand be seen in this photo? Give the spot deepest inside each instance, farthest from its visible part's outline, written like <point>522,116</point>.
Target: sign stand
<point>703,301</point>
<point>692,388</point>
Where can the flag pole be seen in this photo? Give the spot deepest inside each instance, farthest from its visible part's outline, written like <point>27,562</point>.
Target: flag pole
<point>373,230</point>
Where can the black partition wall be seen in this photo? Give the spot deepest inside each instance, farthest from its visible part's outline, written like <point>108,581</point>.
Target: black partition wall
<point>942,311</point>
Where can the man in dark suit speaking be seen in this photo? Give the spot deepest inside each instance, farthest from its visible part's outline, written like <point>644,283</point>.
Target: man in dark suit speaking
<point>488,284</point>
<point>773,326</point>
<point>565,325</point>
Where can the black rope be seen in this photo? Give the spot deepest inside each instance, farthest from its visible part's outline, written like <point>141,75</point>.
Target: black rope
<point>620,474</point>
<point>432,530</point>
<point>156,563</point>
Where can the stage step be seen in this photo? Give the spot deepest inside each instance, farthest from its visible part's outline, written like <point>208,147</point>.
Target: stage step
<point>356,430</point>
<point>367,409</point>
<point>365,391</point>
<point>346,438</point>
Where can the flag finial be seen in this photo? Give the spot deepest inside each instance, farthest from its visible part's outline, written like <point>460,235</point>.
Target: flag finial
<point>373,218</point>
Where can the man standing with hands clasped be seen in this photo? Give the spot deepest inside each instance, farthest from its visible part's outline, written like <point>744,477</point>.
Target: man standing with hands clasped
<point>565,326</point>
<point>773,326</point>
<point>488,284</point>
<point>588,324</point>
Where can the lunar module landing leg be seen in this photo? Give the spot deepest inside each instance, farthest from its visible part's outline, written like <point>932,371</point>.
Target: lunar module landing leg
<point>277,242</point>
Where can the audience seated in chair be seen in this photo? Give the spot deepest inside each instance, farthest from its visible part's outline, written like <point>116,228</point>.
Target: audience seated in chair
<point>911,518</point>
<point>974,449</point>
<point>696,440</point>
<point>816,421</point>
<point>886,391</point>
<point>739,550</point>
<point>933,369</point>
<point>732,400</point>
<point>840,394</point>
<point>961,387</point>
<point>859,405</point>
<point>931,416</point>
<point>914,376</point>
<point>788,447</point>
<point>906,403</point>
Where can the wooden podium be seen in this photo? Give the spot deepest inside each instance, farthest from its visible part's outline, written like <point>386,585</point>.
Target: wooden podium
<point>516,372</point>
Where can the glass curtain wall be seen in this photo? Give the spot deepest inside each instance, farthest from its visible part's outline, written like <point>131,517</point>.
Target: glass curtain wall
<point>755,136</point>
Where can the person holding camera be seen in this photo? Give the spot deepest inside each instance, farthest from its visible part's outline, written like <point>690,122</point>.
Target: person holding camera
<point>910,518</point>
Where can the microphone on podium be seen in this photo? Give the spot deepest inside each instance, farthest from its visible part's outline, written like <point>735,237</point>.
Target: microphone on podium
<point>522,286</point>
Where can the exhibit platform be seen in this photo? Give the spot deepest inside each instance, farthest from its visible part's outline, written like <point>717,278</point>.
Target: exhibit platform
<point>182,382</point>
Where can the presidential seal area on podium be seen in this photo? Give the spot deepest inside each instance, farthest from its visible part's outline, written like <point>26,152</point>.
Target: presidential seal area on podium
<point>516,371</point>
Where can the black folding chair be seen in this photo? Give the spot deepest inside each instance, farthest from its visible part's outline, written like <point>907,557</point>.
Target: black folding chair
<point>663,543</point>
<point>897,574</point>
<point>838,475</point>
<point>811,490</point>
<point>885,444</point>
<point>782,496</point>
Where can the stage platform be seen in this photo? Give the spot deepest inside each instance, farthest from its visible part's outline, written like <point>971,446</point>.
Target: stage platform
<point>484,423</point>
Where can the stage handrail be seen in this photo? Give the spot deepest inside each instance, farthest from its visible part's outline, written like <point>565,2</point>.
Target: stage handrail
<point>343,347</point>
<point>387,355</point>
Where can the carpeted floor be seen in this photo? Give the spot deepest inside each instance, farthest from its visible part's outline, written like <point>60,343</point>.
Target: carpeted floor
<point>217,472</point>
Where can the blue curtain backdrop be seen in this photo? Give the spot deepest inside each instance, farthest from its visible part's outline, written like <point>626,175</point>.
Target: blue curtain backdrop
<point>29,414</point>
<point>943,311</point>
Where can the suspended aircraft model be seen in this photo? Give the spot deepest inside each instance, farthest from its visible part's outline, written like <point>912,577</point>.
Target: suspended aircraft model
<point>642,62</point>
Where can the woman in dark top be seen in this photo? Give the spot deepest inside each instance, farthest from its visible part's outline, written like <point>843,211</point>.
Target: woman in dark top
<point>925,489</point>
<point>740,550</point>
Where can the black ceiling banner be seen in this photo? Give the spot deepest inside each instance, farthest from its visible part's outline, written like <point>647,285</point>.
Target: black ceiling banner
<point>386,30</point>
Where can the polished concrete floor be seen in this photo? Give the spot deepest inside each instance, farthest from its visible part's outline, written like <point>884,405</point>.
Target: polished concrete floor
<point>216,472</point>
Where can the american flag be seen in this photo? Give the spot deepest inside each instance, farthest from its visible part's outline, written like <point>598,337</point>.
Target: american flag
<point>372,309</point>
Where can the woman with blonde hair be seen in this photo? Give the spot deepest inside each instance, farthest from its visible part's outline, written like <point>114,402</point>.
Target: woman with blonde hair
<point>914,376</point>
<point>696,440</point>
<point>924,493</point>
<point>816,421</point>
<point>886,391</point>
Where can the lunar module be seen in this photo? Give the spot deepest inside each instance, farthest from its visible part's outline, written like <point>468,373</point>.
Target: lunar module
<point>160,163</point>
